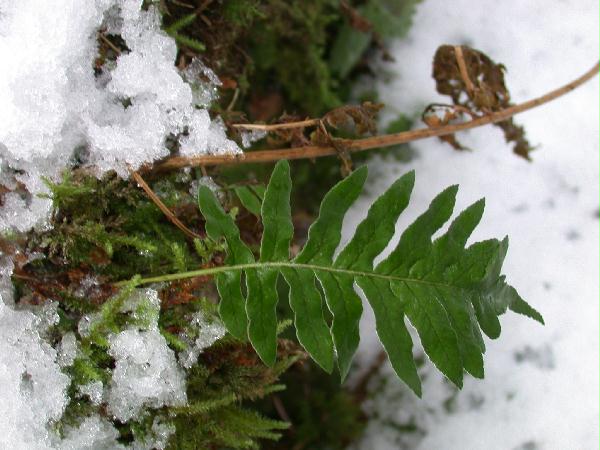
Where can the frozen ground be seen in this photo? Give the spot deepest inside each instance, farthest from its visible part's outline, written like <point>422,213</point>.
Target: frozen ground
<point>541,384</point>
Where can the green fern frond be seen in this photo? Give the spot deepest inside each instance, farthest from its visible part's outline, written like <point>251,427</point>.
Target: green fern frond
<point>448,292</point>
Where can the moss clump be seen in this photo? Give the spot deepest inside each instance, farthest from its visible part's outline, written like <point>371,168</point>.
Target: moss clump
<point>222,391</point>
<point>111,227</point>
<point>323,414</point>
<point>299,57</point>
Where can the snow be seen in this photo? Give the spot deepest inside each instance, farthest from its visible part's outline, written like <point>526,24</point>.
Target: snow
<point>206,331</point>
<point>146,374</point>
<point>541,385</point>
<point>67,351</point>
<point>55,110</point>
<point>33,387</point>
<point>94,391</point>
<point>158,439</point>
<point>94,433</point>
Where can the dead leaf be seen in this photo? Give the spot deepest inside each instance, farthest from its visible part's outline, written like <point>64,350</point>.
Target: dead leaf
<point>483,92</point>
<point>356,119</point>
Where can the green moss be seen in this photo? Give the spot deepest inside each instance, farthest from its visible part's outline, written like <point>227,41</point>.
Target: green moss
<point>219,388</point>
<point>112,227</point>
<point>299,57</point>
<point>242,12</point>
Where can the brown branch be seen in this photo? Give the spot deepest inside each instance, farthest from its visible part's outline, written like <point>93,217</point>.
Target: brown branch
<point>182,4</point>
<point>280,408</point>
<point>110,44</point>
<point>358,145</point>
<point>236,94</point>
<point>158,202</point>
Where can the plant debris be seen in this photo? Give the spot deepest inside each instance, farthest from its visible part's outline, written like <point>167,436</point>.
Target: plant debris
<point>476,84</point>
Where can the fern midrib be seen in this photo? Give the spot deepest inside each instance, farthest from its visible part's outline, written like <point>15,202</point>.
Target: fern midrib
<point>281,265</point>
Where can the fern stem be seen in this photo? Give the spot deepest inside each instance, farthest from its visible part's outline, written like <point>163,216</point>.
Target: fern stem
<point>275,265</point>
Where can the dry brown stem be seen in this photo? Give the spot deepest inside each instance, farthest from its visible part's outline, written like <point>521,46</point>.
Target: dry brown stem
<point>359,145</point>
<point>277,126</point>
<point>462,67</point>
<point>158,202</point>
<point>110,44</point>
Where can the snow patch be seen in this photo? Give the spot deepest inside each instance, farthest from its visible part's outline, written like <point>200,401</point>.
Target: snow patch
<point>541,383</point>
<point>33,386</point>
<point>54,109</point>
<point>206,332</point>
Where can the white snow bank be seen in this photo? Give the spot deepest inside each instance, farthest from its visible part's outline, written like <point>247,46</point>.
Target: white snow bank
<point>54,109</point>
<point>33,387</point>
<point>541,385</point>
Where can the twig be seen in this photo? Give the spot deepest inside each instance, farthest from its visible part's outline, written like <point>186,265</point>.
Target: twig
<point>182,4</point>
<point>278,404</point>
<point>360,390</point>
<point>358,145</point>
<point>203,6</point>
<point>110,44</point>
<point>431,109</point>
<point>277,126</point>
<point>233,100</point>
<point>462,67</point>
<point>158,202</point>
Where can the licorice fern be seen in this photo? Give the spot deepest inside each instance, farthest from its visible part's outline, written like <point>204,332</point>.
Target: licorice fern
<point>448,292</point>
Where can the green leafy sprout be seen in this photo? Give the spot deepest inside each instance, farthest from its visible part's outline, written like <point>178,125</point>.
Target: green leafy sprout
<point>448,291</point>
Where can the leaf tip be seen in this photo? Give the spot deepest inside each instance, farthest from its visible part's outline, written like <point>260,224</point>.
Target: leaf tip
<point>344,368</point>
<point>520,306</point>
<point>539,319</point>
<point>448,194</point>
<point>361,173</point>
<point>480,204</point>
<point>417,389</point>
<point>283,163</point>
<point>362,169</point>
